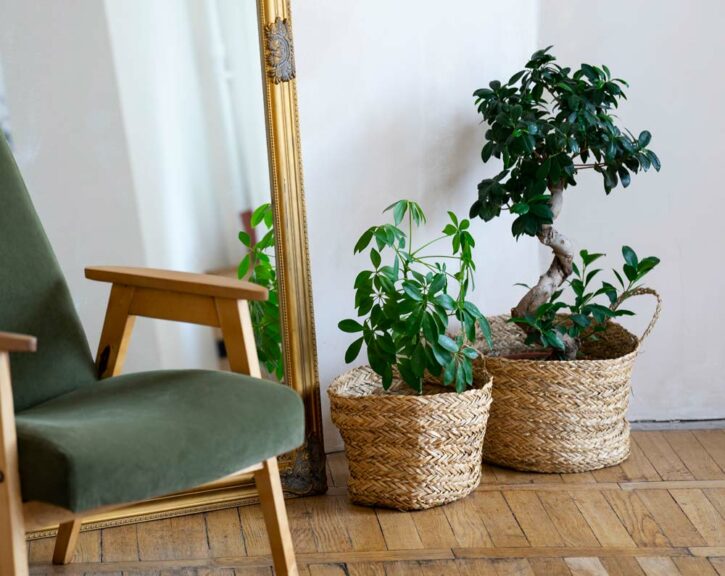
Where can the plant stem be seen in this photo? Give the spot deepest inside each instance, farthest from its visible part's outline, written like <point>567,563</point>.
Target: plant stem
<point>427,244</point>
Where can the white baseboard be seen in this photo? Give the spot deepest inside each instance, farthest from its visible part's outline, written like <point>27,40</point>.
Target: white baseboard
<point>678,424</point>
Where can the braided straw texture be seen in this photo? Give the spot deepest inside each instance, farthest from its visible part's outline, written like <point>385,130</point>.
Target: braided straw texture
<point>560,416</point>
<point>410,451</point>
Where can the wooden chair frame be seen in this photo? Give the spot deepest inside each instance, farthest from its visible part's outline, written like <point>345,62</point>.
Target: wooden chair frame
<point>178,296</point>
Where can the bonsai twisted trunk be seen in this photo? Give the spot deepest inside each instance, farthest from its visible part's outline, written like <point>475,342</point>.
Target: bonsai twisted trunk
<point>558,272</point>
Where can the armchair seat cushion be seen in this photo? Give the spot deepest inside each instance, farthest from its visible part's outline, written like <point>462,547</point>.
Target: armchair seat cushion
<point>137,436</point>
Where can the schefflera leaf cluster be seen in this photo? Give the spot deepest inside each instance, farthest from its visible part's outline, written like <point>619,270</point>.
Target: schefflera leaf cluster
<point>405,306</point>
<point>587,316</point>
<point>547,123</point>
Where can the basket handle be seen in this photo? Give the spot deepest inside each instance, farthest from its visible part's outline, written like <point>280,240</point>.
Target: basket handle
<point>658,308</point>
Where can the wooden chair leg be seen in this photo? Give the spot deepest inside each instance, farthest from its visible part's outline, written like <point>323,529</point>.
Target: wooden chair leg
<point>65,542</point>
<point>271,500</point>
<point>13,554</point>
<point>236,326</point>
<point>13,551</point>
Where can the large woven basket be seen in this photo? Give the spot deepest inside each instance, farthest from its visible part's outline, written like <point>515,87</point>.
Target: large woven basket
<point>561,416</point>
<point>410,451</point>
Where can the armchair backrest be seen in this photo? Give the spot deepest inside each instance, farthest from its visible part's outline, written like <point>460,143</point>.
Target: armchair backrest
<point>34,299</point>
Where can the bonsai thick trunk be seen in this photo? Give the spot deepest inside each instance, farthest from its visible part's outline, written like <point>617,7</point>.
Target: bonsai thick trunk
<point>558,272</point>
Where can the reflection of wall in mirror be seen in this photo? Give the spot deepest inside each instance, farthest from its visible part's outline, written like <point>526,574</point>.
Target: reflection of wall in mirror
<point>4,113</point>
<point>191,97</point>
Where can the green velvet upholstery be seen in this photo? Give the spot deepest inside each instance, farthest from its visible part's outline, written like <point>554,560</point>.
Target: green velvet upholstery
<point>84,443</point>
<point>34,299</point>
<point>141,435</point>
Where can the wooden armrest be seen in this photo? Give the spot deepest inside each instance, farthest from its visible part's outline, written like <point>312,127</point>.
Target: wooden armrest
<point>10,342</point>
<point>185,282</point>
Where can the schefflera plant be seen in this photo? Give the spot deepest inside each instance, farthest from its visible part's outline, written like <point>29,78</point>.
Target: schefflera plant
<point>547,124</point>
<point>405,306</point>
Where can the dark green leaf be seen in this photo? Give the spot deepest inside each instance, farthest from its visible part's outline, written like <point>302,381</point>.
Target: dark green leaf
<point>243,267</point>
<point>580,320</point>
<point>353,350</point>
<point>375,257</point>
<point>447,343</point>
<point>350,326</point>
<point>399,212</point>
<point>364,240</point>
<point>486,331</point>
<point>412,290</point>
<point>630,257</point>
<point>520,208</point>
<point>446,301</point>
<point>258,214</point>
<point>554,340</point>
<point>418,361</point>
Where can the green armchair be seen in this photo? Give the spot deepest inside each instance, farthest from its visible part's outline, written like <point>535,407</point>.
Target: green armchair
<point>76,437</point>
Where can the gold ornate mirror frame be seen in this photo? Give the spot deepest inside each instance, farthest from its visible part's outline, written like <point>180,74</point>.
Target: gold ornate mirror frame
<point>303,471</point>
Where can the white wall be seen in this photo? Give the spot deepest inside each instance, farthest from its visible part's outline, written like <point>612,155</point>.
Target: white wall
<point>71,148</point>
<point>386,112</point>
<point>671,54</point>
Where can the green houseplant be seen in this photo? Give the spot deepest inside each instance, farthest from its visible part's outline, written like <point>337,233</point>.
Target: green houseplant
<point>398,414</point>
<point>406,306</point>
<point>548,124</point>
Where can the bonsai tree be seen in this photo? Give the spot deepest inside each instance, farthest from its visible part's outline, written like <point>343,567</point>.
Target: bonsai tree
<point>547,124</point>
<point>405,303</point>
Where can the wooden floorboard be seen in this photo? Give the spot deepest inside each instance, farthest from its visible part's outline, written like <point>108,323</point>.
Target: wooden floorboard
<point>660,512</point>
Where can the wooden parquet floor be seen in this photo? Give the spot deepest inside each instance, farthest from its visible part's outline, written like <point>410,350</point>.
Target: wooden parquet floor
<point>661,512</point>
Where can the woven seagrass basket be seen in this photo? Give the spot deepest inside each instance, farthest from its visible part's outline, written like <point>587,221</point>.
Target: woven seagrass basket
<point>561,416</point>
<point>410,451</point>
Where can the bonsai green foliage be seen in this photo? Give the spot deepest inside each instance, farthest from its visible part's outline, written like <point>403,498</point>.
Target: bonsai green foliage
<point>259,263</point>
<point>585,317</point>
<point>406,306</point>
<point>546,123</point>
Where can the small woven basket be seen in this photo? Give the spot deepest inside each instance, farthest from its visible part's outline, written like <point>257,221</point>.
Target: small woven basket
<point>561,416</point>
<point>409,451</point>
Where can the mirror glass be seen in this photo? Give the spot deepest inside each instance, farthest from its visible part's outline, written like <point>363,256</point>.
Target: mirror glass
<point>170,93</point>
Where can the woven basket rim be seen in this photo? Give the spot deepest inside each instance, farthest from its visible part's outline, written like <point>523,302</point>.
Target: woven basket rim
<point>339,381</point>
<point>580,363</point>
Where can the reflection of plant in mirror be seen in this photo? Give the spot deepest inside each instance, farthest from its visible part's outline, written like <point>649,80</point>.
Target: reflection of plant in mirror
<point>258,266</point>
<point>547,327</point>
<point>406,306</point>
